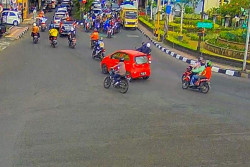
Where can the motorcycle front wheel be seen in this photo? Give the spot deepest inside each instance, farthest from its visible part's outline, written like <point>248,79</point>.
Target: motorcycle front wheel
<point>123,86</point>
<point>185,84</point>
<point>107,82</point>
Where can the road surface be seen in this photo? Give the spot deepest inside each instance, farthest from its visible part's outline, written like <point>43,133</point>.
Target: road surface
<point>54,111</point>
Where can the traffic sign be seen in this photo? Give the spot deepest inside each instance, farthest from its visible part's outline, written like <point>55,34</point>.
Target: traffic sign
<point>1,8</point>
<point>204,25</point>
<point>84,1</point>
<point>168,9</point>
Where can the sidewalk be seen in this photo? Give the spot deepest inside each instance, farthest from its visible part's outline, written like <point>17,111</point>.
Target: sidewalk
<point>217,67</point>
<point>16,32</point>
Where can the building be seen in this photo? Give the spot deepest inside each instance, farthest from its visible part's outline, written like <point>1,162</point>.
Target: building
<point>26,4</point>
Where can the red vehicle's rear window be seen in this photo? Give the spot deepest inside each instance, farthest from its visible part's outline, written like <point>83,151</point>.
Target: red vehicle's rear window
<point>141,59</point>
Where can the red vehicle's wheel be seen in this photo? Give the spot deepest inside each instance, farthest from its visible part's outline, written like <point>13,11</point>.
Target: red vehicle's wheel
<point>146,77</point>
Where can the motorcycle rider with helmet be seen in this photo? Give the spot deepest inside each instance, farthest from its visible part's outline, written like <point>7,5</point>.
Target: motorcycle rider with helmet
<point>121,70</point>
<point>94,36</point>
<point>35,31</point>
<point>196,72</point>
<point>53,33</point>
<point>72,34</point>
<point>206,74</point>
<point>145,48</point>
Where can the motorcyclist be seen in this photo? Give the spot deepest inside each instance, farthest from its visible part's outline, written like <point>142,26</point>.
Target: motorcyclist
<point>72,34</point>
<point>51,25</point>
<point>43,20</point>
<point>121,70</point>
<point>206,74</point>
<point>53,33</point>
<point>94,36</point>
<point>41,14</point>
<point>35,31</point>
<point>145,48</point>
<point>198,63</point>
<point>196,72</point>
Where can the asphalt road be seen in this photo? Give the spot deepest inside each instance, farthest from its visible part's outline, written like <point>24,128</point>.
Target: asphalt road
<point>54,111</point>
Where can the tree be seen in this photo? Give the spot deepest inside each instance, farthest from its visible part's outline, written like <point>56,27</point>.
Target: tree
<point>234,7</point>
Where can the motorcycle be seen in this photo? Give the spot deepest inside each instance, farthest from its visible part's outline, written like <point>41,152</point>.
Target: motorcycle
<point>72,43</point>
<point>54,42</point>
<point>35,39</point>
<point>148,54</point>
<point>117,27</point>
<point>93,43</point>
<point>109,32</point>
<point>97,26</point>
<point>87,27</point>
<point>203,84</point>
<point>98,52</point>
<point>43,27</point>
<point>122,83</point>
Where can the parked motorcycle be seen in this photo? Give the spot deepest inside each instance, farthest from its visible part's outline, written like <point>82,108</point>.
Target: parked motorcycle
<point>122,85</point>
<point>203,84</point>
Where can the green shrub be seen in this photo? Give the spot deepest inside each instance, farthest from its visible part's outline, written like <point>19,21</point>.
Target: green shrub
<point>233,35</point>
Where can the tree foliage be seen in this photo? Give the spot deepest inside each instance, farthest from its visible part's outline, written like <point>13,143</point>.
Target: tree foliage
<point>234,7</point>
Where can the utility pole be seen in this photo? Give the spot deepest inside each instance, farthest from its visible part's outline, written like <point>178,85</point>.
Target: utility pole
<point>182,14</point>
<point>247,43</point>
<point>158,19</point>
<point>166,23</point>
<point>200,34</point>
<point>222,2</point>
<point>151,10</point>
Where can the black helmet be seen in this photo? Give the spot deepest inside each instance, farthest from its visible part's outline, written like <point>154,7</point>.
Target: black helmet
<point>121,59</point>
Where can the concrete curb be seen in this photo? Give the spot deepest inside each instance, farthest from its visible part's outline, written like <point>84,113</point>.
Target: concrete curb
<point>26,29</point>
<point>190,61</point>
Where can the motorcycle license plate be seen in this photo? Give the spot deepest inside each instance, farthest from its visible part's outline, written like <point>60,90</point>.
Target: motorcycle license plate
<point>143,73</point>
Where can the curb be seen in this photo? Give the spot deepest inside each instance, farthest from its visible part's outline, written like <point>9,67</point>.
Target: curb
<point>26,29</point>
<point>190,61</point>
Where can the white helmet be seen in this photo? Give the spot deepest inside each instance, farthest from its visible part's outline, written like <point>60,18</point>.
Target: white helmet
<point>148,45</point>
<point>34,24</point>
<point>72,29</point>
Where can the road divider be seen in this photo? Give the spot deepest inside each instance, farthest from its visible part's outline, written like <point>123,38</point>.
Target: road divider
<point>190,61</point>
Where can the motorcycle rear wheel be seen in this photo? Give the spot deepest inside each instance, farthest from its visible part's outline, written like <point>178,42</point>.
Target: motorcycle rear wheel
<point>123,86</point>
<point>107,82</point>
<point>204,87</point>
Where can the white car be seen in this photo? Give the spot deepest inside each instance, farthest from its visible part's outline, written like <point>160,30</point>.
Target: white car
<point>97,11</point>
<point>96,5</point>
<point>11,17</point>
<point>62,9</point>
<point>58,17</point>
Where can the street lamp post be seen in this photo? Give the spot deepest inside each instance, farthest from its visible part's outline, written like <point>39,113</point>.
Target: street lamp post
<point>247,43</point>
<point>202,15</point>
<point>158,19</point>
